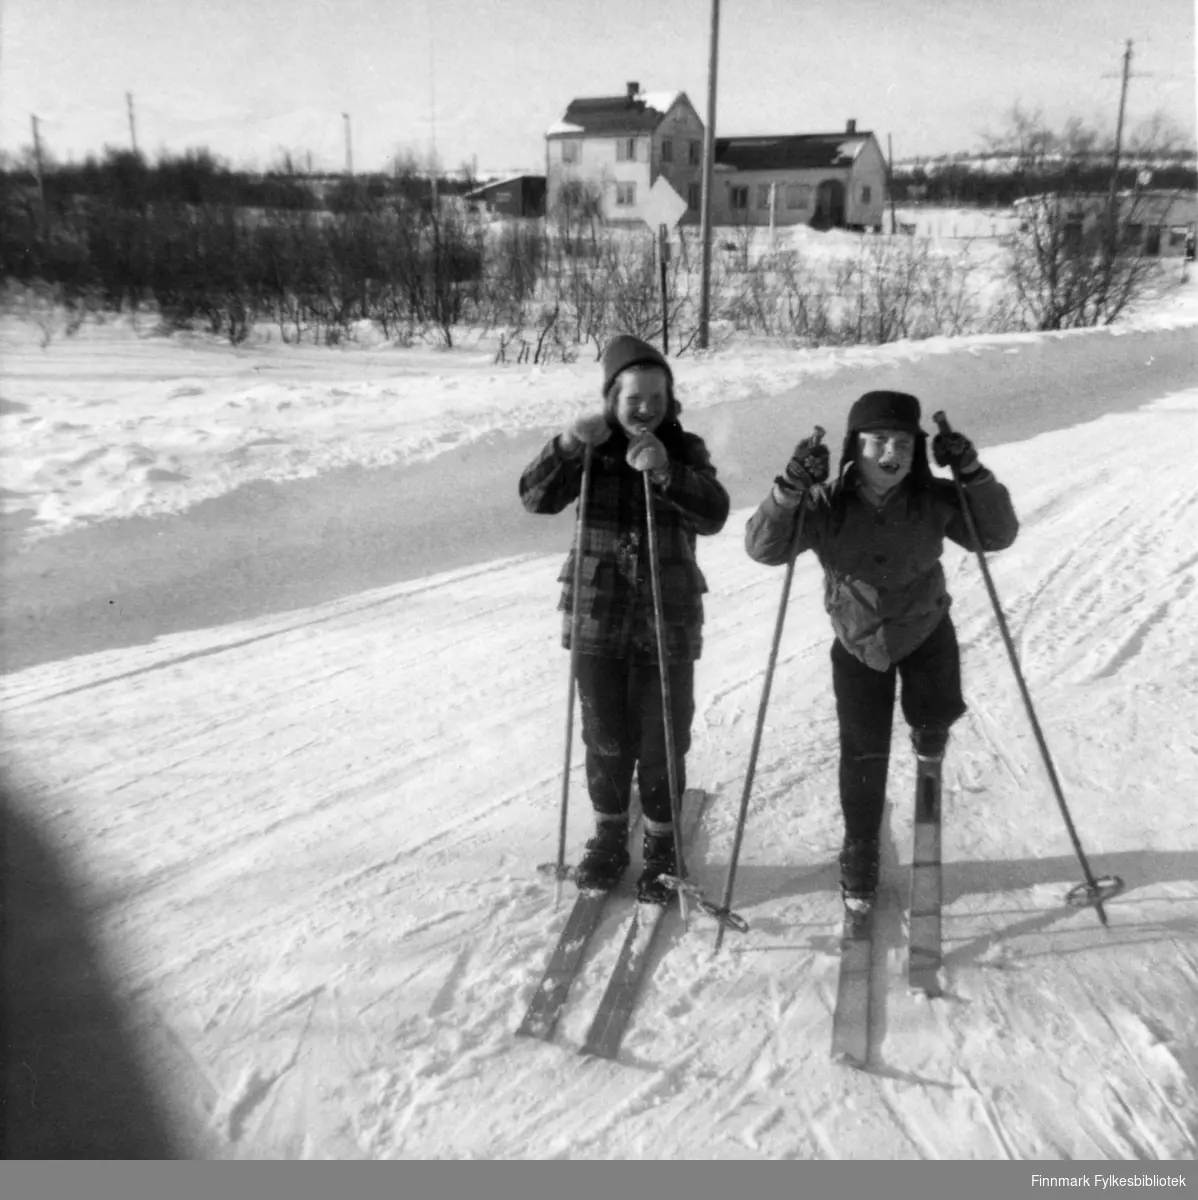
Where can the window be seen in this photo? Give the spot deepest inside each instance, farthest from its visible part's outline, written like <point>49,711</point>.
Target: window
<point>866,192</point>
<point>694,196</point>
<point>763,195</point>
<point>625,194</point>
<point>570,152</point>
<point>626,149</point>
<point>740,197</point>
<point>696,153</point>
<point>667,150</point>
<point>798,195</point>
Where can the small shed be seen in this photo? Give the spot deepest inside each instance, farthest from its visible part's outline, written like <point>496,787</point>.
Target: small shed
<point>515,196</point>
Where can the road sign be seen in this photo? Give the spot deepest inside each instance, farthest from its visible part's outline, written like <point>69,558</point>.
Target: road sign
<point>664,206</point>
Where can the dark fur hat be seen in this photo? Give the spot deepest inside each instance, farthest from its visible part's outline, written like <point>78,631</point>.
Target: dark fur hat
<point>885,410</point>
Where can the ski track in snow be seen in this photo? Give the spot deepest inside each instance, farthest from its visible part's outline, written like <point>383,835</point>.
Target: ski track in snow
<point>311,841</point>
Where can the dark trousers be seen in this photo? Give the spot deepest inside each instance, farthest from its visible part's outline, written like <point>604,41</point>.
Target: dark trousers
<point>931,699</point>
<point>623,731</point>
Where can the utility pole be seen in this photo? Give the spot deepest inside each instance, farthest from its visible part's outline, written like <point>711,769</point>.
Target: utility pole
<point>349,152</point>
<point>708,163</point>
<point>132,123</point>
<point>890,183</point>
<point>1111,222</point>
<point>37,158</point>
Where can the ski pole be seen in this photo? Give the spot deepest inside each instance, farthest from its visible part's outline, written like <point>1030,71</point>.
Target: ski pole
<point>1093,890</point>
<point>761,708</point>
<point>663,669</point>
<point>580,527</point>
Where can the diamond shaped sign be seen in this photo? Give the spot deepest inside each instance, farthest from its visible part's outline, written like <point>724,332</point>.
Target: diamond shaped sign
<point>664,206</point>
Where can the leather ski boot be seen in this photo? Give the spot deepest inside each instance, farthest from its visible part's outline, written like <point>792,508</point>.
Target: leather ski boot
<point>859,873</point>
<point>659,860</point>
<point>606,856</point>
<point>929,744</point>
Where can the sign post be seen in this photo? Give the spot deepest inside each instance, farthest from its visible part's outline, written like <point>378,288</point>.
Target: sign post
<point>663,210</point>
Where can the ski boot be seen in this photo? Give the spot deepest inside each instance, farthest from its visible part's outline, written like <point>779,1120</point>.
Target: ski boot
<point>859,874</point>
<point>929,744</point>
<point>606,855</point>
<point>659,860</point>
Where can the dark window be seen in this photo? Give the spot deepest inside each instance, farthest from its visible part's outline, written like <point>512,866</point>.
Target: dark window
<point>696,153</point>
<point>667,150</point>
<point>694,196</point>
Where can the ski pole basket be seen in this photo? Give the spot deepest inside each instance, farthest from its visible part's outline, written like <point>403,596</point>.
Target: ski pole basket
<point>1087,894</point>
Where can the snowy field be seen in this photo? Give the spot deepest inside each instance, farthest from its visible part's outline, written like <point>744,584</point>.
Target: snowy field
<point>304,785</point>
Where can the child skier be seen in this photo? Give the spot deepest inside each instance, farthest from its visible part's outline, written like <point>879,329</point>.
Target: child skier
<point>618,676</point>
<point>878,533</point>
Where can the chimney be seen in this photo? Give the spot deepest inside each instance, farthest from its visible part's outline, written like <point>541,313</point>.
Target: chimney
<point>851,127</point>
<point>633,88</point>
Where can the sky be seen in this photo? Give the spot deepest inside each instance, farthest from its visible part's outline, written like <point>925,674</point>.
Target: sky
<point>477,82</point>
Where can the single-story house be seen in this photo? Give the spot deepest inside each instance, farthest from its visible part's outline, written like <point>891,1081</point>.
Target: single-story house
<point>1159,223</point>
<point>824,180</point>
<point>515,196</point>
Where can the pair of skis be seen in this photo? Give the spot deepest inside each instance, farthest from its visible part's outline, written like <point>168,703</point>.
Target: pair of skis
<point>851,1019</point>
<point>631,966</point>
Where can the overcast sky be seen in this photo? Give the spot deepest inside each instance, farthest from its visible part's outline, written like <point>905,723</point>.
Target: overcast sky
<point>482,79</point>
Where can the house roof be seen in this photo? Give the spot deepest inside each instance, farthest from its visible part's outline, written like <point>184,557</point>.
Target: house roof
<point>790,151</point>
<point>610,115</point>
<point>484,188</point>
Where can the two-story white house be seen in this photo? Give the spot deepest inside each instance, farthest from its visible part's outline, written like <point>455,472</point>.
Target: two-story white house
<point>824,180</point>
<point>612,149</point>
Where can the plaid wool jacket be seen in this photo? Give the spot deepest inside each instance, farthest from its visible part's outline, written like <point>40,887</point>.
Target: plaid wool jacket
<point>616,600</point>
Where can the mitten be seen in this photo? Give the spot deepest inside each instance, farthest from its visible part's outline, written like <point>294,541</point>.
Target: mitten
<point>808,466</point>
<point>956,451</point>
<point>591,430</point>
<point>646,453</point>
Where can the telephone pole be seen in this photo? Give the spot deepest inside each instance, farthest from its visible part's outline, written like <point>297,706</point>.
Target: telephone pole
<point>708,163</point>
<point>349,152</point>
<point>37,158</point>
<point>890,183</point>
<point>132,123</point>
<point>1111,222</point>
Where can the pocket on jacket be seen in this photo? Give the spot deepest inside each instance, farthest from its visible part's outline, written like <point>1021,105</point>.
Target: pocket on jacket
<point>591,564</point>
<point>682,588</point>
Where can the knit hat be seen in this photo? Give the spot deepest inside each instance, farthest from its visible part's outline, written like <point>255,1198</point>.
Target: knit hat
<point>627,351</point>
<point>885,410</point>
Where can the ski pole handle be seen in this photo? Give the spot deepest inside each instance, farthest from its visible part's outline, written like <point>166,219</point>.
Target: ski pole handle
<point>942,422</point>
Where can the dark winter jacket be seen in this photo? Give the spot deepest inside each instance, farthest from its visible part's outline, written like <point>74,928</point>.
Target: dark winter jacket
<point>616,602</point>
<point>884,587</point>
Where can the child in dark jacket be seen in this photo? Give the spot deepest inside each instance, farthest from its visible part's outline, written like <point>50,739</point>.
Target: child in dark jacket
<point>618,677</point>
<point>878,531</point>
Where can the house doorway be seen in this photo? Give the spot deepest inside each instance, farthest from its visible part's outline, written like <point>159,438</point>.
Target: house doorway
<point>829,205</point>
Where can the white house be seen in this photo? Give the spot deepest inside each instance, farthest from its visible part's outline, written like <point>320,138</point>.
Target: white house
<point>824,180</point>
<point>612,149</point>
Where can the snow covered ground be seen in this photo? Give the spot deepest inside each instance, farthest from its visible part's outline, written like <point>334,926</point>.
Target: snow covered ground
<point>307,822</point>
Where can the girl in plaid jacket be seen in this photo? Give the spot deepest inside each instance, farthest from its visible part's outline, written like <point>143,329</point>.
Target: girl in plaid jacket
<point>618,672</point>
